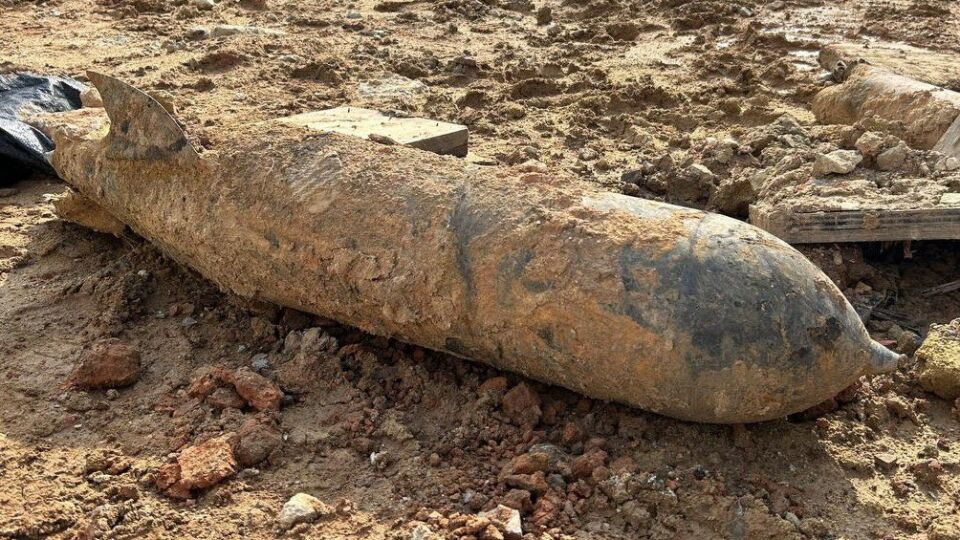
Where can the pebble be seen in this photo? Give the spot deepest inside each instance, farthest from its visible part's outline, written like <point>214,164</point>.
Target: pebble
<point>205,5</point>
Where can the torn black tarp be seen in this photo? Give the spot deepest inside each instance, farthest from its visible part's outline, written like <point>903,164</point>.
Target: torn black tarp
<point>22,147</point>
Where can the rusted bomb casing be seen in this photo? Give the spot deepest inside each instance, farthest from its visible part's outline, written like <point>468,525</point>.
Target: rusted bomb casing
<point>677,311</point>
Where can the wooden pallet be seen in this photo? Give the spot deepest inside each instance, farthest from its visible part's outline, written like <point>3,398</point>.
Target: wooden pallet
<point>861,225</point>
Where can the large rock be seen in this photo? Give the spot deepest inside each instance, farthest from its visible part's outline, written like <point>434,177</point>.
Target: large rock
<point>109,363</point>
<point>940,360</point>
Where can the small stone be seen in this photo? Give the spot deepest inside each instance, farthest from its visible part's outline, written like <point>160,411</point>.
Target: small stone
<point>206,464</point>
<point>636,513</point>
<point>522,405</point>
<point>518,499</point>
<point>939,360</point>
<point>584,465</point>
<point>699,172</point>
<point>908,342</point>
<point>870,143</point>
<point>894,158</point>
<point>109,363</point>
<point>493,385</point>
<point>529,463</point>
<point>261,393</point>
<point>205,380</point>
<point>197,34</point>
<point>225,398</point>
<point>260,362</point>
<point>623,30</point>
<point>224,30</point>
<point>544,16</point>
<point>792,518</point>
<point>836,162</point>
<point>257,441</point>
<point>302,508</point>
<point>886,461</point>
<point>506,519</point>
<point>572,433</point>
<point>535,483</point>
<point>734,196</point>
<point>422,531</point>
<point>90,98</point>
<point>203,5</point>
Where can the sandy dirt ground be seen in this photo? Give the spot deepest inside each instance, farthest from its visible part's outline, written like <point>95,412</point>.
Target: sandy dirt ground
<point>400,442</point>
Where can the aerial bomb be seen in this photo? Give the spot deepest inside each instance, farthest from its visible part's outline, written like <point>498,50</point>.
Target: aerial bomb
<point>677,311</point>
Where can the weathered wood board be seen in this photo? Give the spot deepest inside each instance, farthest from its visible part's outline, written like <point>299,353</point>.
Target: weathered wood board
<point>859,225</point>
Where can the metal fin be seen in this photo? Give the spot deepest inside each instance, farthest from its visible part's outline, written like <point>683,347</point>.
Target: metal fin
<point>140,128</point>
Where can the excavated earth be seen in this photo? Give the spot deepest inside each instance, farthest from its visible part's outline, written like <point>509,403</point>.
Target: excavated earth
<point>236,407</point>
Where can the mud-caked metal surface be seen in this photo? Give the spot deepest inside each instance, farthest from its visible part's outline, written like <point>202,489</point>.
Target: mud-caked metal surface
<point>677,311</point>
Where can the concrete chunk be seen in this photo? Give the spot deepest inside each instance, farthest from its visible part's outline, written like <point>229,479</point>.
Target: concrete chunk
<point>431,135</point>
<point>940,360</point>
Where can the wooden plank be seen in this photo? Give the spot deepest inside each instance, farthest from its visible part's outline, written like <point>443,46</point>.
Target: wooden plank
<point>431,135</point>
<point>867,225</point>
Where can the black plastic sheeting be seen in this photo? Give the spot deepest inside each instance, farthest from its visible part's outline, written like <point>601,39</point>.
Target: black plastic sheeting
<point>23,148</point>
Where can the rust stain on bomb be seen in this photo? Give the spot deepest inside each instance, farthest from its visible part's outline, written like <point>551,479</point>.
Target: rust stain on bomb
<point>677,311</point>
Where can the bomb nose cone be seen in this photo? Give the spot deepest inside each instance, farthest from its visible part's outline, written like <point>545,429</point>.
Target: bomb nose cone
<point>882,359</point>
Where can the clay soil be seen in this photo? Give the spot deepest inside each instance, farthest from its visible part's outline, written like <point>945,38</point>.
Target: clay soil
<point>406,443</point>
